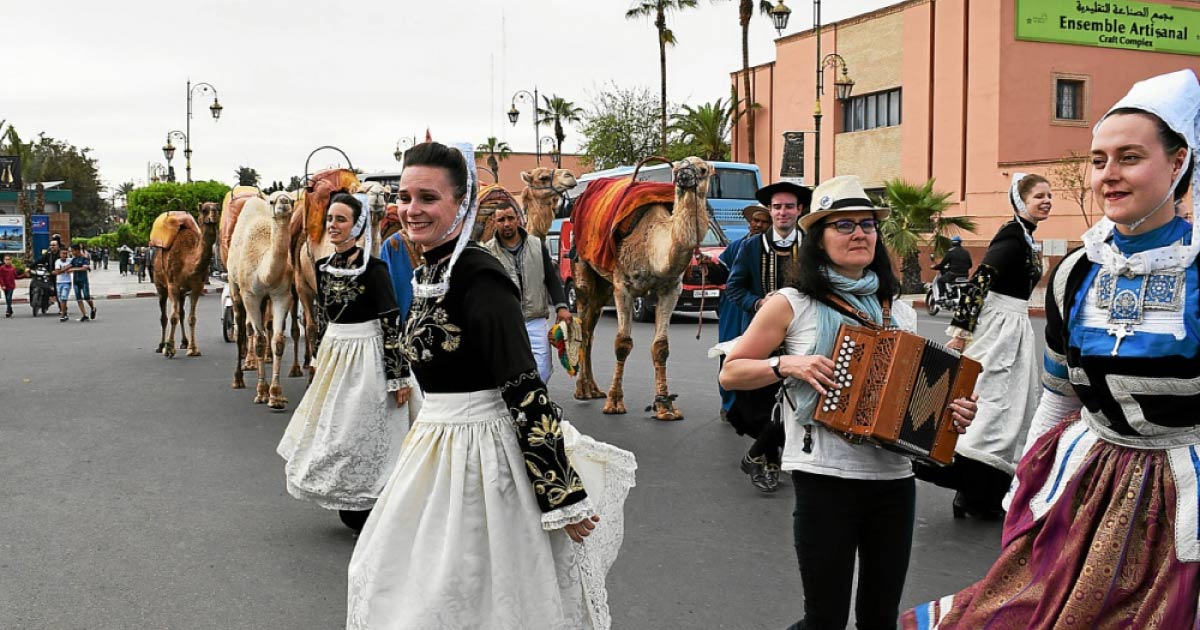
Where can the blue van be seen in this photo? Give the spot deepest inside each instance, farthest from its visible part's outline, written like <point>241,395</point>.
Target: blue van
<point>730,189</point>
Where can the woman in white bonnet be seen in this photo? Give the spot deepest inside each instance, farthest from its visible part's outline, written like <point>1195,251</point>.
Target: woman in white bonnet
<point>1102,530</point>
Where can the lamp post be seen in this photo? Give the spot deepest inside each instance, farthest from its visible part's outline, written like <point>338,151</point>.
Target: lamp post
<point>169,153</point>
<point>215,108</point>
<point>513,114</point>
<point>843,84</point>
<point>402,145</point>
<point>780,14</point>
<point>554,152</point>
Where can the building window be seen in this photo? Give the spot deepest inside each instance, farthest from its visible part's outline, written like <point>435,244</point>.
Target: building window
<point>869,111</point>
<point>1068,99</point>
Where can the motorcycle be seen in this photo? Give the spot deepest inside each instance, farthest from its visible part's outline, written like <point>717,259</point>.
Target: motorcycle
<point>41,290</point>
<point>936,300</point>
<point>228,326</point>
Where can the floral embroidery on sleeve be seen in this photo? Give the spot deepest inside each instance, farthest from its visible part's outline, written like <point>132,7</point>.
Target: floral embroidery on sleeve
<point>555,481</point>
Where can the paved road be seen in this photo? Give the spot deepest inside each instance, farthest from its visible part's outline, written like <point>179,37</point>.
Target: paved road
<point>137,492</point>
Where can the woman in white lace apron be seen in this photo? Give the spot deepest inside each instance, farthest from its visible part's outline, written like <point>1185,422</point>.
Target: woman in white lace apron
<point>499,516</point>
<point>853,501</point>
<point>345,435</point>
<point>991,325</point>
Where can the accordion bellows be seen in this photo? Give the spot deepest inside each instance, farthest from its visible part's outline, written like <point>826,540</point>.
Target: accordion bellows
<point>893,389</point>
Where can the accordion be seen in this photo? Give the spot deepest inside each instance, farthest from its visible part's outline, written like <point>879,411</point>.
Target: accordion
<point>892,389</point>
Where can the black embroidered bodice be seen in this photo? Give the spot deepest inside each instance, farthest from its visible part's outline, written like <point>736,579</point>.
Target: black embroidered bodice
<point>1010,267</point>
<point>474,338</point>
<point>362,298</point>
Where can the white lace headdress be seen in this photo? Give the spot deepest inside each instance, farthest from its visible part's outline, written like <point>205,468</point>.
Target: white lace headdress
<point>439,285</point>
<point>1018,204</point>
<point>1175,99</point>
<point>359,230</point>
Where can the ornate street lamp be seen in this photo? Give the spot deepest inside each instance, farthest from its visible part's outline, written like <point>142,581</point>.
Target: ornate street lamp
<point>843,86</point>
<point>402,145</point>
<point>169,151</point>
<point>514,114</point>
<point>780,15</point>
<point>216,108</point>
<point>555,154</point>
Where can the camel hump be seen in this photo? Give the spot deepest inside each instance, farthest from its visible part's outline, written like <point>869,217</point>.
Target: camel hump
<point>231,209</point>
<point>608,210</point>
<point>315,200</point>
<point>168,225</point>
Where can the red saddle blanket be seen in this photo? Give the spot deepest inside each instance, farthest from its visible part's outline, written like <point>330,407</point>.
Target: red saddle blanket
<point>607,211</point>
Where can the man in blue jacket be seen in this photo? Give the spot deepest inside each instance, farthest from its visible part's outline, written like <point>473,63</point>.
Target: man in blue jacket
<point>765,264</point>
<point>733,320</point>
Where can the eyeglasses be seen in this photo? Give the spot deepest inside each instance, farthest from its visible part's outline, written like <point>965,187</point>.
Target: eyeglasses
<point>846,226</point>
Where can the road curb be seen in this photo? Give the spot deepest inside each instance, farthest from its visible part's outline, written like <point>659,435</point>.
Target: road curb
<point>113,296</point>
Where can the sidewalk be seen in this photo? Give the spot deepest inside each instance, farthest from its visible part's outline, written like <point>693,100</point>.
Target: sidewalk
<point>109,284</point>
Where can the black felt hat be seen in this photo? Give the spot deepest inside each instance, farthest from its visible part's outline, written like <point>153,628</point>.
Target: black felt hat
<point>803,195</point>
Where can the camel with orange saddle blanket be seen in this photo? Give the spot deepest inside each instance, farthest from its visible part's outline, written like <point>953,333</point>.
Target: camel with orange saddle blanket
<point>185,251</point>
<point>636,239</point>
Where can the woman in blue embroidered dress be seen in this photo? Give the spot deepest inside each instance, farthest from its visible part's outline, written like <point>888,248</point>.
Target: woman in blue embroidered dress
<point>852,500</point>
<point>1101,530</point>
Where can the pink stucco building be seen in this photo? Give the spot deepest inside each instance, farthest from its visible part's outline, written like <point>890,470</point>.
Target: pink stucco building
<point>946,89</point>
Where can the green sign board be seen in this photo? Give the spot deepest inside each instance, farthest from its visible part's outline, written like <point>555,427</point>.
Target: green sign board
<point>1124,24</point>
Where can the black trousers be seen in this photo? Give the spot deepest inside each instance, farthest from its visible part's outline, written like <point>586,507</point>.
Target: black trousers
<point>837,519</point>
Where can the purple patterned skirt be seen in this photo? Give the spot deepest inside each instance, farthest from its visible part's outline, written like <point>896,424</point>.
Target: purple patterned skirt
<point>1103,556</point>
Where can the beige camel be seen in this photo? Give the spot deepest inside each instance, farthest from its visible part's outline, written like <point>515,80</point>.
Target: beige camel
<point>650,260</point>
<point>181,266</point>
<point>543,188</point>
<point>260,268</point>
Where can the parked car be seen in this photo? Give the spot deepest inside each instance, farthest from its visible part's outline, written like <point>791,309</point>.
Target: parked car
<point>703,281</point>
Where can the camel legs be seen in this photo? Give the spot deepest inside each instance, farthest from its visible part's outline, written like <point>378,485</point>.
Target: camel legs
<point>258,334</point>
<point>280,306</point>
<point>664,402</point>
<point>622,346</point>
<point>193,350</point>
<point>308,303</point>
<point>239,319</point>
<point>295,311</point>
<point>593,292</point>
<point>176,314</point>
<point>162,319</point>
<point>184,340</point>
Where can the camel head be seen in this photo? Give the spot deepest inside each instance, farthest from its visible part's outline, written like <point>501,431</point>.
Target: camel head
<point>281,205</point>
<point>691,175</point>
<point>210,212</point>
<point>376,201</point>
<point>548,182</point>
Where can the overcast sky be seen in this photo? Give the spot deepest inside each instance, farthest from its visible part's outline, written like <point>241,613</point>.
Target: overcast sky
<point>359,75</point>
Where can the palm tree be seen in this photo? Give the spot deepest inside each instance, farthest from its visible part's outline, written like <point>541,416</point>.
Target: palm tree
<point>494,147</point>
<point>916,217</point>
<point>745,12</point>
<point>556,112</point>
<point>705,129</point>
<point>659,9</point>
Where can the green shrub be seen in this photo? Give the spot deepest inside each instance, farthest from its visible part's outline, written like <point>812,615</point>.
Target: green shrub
<point>145,204</point>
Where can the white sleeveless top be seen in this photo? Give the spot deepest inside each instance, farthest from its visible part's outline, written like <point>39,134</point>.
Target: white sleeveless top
<point>832,455</point>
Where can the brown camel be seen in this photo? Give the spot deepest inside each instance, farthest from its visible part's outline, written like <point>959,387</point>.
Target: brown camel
<point>543,188</point>
<point>651,255</point>
<point>181,266</point>
<point>260,268</point>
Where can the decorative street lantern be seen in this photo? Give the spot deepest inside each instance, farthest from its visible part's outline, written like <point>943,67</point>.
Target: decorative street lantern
<point>780,14</point>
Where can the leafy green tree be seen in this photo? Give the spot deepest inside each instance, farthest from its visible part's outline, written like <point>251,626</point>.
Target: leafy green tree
<point>497,151</point>
<point>659,9</point>
<point>621,127</point>
<point>703,131</point>
<point>247,176</point>
<point>916,218</point>
<point>47,159</point>
<point>556,112</point>
<point>295,183</point>
<point>145,204</point>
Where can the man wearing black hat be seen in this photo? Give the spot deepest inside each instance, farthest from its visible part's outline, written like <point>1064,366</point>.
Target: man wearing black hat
<point>764,265</point>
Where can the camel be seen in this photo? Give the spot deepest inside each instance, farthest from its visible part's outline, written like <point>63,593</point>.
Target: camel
<point>180,268</point>
<point>543,188</point>
<point>260,268</point>
<point>654,243</point>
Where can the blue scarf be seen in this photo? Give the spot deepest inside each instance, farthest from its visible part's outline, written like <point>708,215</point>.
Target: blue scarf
<point>858,293</point>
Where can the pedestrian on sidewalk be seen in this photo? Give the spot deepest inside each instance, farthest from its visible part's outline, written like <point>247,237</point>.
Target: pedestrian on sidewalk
<point>139,264</point>
<point>8,283</point>
<point>81,264</point>
<point>62,273</point>
<point>124,255</point>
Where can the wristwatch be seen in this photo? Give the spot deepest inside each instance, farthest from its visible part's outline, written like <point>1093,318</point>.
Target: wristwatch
<point>774,363</point>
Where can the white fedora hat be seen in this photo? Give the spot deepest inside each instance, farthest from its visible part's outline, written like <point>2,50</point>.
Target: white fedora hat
<point>843,193</point>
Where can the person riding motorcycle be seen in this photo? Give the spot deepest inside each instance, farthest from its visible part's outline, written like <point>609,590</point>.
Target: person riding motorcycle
<point>955,265</point>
